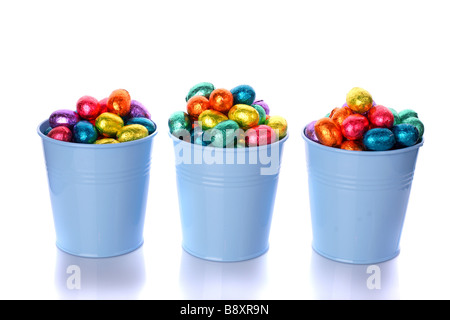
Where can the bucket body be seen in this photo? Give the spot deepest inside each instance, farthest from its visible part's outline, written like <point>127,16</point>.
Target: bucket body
<point>226,198</point>
<point>358,201</point>
<point>98,194</point>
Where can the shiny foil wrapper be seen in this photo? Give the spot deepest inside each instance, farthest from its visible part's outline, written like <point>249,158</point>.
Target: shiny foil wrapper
<point>264,105</point>
<point>138,110</point>
<point>84,132</point>
<point>221,100</point>
<point>406,135</point>
<point>379,139</point>
<point>61,133</point>
<point>262,113</point>
<point>260,136</point>
<point>196,105</point>
<point>279,124</point>
<point>88,107</point>
<point>106,141</point>
<point>225,133</point>
<point>211,118</point>
<point>203,89</point>
<point>179,120</point>
<point>245,115</point>
<point>243,94</point>
<point>338,115</point>
<point>328,132</point>
<point>354,127</point>
<point>359,100</point>
<point>381,117</point>
<point>147,123</point>
<point>416,123</point>
<point>108,124</point>
<point>119,102</point>
<point>353,145</point>
<point>132,132</point>
<point>63,117</point>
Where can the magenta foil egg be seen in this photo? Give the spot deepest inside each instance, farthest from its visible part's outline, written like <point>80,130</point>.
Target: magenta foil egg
<point>60,133</point>
<point>259,136</point>
<point>138,110</point>
<point>63,117</point>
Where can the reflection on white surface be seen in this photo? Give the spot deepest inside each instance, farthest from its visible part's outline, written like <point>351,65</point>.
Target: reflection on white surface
<point>341,281</point>
<point>205,280</point>
<point>120,277</point>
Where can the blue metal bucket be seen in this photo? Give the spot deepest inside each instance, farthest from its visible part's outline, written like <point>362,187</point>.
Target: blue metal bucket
<point>226,198</point>
<point>98,194</point>
<point>358,201</point>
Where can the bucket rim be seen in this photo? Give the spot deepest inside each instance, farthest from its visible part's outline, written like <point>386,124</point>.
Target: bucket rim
<point>93,146</point>
<point>234,149</point>
<point>361,153</point>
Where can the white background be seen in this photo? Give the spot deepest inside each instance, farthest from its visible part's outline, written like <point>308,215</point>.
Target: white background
<point>302,57</point>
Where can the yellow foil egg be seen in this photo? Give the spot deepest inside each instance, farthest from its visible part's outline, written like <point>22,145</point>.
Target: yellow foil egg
<point>246,116</point>
<point>106,141</point>
<point>279,124</point>
<point>108,124</point>
<point>210,118</point>
<point>359,100</point>
<point>132,132</point>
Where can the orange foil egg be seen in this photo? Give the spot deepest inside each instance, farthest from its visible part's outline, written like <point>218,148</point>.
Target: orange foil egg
<point>328,132</point>
<point>196,105</point>
<point>338,115</point>
<point>221,100</point>
<point>353,145</point>
<point>119,102</point>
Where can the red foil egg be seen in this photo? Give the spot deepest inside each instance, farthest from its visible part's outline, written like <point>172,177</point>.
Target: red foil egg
<point>328,132</point>
<point>103,105</point>
<point>354,127</point>
<point>88,108</point>
<point>259,136</point>
<point>119,102</point>
<point>60,133</point>
<point>380,117</point>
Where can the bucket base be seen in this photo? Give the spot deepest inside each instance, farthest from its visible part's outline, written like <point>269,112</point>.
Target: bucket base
<point>357,261</point>
<point>218,259</point>
<point>99,256</point>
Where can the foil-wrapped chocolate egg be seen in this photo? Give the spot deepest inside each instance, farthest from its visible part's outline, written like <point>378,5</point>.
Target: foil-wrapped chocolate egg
<point>63,117</point>
<point>243,94</point>
<point>359,100</point>
<point>211,118</point>
<point>260,136</point>
<point>407,113</point>
<point>310,133</point>
<point>263,104</point>
<point>61,133</point>
<point>132,132</point>
<point>221,100</point>
<point>103,105</point>
<point>179,120</point>
<point>196,105</point>
<point>119,102</point>
<point>279,124</point>
<point>200,137</point>
<point>379,139</point>
<point>338,115</point>
<point>353,145</point>
<point>200,89</point>
<point>146,122</point>
<point>47,130</point>
<point>406,135</point>
<point>225,134</point>
<point>381,117</point>
<point>84,132</point>
<point>245,115</point>
<point>328,132</point>
<point>138,110</point>
<point>106,141</point>
<point>262,113</point>
<point>108,124</point>
<point>416,123</point>
<point>354,126</point>
<point>396,116</point>
<point>88,108</point>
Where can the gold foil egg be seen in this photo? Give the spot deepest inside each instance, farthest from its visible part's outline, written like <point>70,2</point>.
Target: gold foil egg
<point>328,132</point>
<point>108,124</point>
<point>210,118</point>
<point>359,100</point>
<point>245,115</point>
<point>106,141</point>
<point>132,132</point>
<point>279,124</point>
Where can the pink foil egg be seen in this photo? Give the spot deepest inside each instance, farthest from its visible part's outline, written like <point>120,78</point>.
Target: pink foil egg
<point>259,136</point>
<point>380,117</point>
<point>88,107</point>
<point>61,133</point>
<point>354,126</point>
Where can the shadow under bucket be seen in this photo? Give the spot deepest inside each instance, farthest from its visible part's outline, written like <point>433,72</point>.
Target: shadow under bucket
<point>98,194</point>
<point>226,198</point>
<point>358,201</point>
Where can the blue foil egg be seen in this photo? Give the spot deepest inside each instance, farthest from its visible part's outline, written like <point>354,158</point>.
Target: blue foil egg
<point>406,135</point>
<point>200,137</point>
<point>147,123</point>
<point>48,130</point>
<point>243,94</point>
<point>84,132</point>
<point>379,139</point>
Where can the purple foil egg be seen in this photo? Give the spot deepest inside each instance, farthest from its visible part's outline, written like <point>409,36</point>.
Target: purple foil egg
<point>310,132</point>
<point>63,117</point>
<point>263,104</point>
<point>137,110</point>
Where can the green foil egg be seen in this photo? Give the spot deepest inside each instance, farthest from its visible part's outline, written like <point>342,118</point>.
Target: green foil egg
<point>262,113</point>
<point>416,123</point>
<point>407,113</point>
<point>211,118</point>
<point>396,116</point>
<point>132,132</point>
<point>179,120</point>
<point>224,134</point>
<point>200,89</point>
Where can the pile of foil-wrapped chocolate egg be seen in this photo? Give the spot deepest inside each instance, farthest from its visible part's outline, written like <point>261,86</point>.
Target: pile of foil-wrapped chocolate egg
<point>362,125</point>
<point>114,119</point>
<point>224,118</point>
